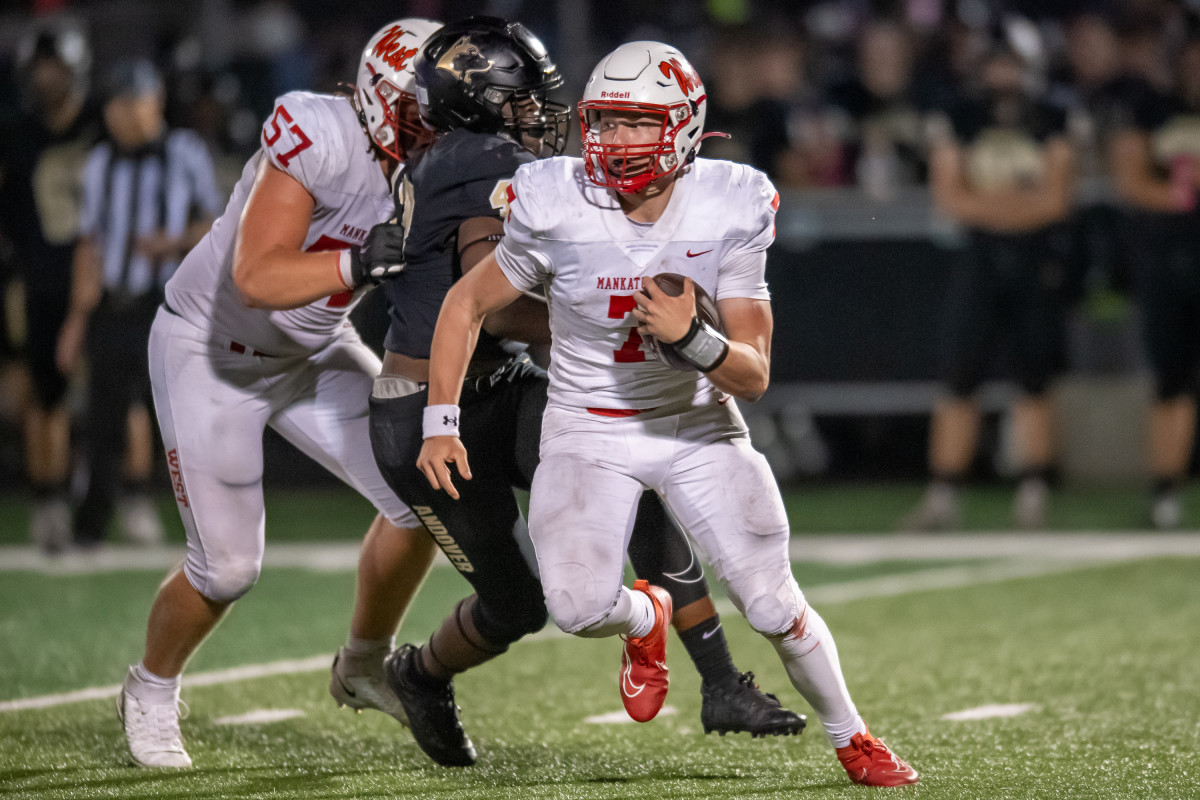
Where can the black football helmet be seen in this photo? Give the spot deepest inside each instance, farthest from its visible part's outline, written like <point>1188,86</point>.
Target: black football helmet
<point>489,75</point>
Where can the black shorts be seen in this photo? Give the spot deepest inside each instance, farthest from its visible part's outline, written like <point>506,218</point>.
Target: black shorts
<point>483,532</point>
<point>1166,253</point>
<point>45,312</point>
<point>1008,290</point>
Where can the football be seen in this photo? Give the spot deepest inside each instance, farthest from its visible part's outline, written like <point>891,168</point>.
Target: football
<point>706,309</point>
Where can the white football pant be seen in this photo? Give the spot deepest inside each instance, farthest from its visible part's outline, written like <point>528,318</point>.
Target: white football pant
<point>214,398</point>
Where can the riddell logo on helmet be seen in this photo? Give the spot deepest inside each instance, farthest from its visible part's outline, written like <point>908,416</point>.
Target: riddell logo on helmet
<point>615,95</point>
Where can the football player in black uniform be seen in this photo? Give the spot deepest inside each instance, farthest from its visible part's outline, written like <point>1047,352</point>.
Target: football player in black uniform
<point>482,85</point>
<point>1006,173</point>
<point>1156,163</point>
<point>41,159</point>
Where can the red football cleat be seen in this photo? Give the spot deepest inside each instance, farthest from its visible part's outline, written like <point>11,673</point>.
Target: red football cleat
<point>644,660</point>
<point>869,761</point>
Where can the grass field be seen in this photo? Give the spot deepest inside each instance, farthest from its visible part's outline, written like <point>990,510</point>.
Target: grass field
<point>327,514</point>
<point>1102,652</point>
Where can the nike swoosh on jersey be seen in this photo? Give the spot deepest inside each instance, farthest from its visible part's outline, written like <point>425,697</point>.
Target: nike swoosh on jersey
<point>690,254</point>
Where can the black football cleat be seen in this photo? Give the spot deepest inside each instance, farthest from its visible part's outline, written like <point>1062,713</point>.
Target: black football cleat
<point>432,713</point>
<point>736,706</point>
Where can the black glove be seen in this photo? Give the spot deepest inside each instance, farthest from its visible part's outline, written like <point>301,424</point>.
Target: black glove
<point>381,256</point>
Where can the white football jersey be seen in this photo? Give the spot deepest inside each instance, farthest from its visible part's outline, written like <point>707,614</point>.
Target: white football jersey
<point>317,140</point>
<point>565,232</point>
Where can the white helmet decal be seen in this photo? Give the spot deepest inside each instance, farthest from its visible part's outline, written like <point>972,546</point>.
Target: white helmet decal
<point>385,84</point>
<point>654,79</point>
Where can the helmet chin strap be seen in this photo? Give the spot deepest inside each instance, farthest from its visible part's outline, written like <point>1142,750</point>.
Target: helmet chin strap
<point>696,149</point>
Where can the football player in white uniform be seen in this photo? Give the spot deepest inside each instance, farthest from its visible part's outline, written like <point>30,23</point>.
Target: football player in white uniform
<point>593,232</point>
<point>254,332</point>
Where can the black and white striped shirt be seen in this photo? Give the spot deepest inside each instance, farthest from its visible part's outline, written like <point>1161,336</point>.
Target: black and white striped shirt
<point>160,189</point>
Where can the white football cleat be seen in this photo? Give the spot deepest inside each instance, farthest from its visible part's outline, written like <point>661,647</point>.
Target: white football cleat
<point>1029,504</point>
<point>50,526</point>
<point>152,730</point>
<point>937,511</point>
<point>139,521</point>
<point>1166,512</point>
<point>358,681</point>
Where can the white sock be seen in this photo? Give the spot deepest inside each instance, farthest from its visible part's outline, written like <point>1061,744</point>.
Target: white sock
<point>366,647</point>
<point>812,664</point>
<point>153,688</point>
<point>641,613</point>
<point>632,615</point>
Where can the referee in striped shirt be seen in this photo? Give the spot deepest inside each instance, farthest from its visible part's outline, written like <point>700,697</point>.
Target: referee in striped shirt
<point>149,194</point>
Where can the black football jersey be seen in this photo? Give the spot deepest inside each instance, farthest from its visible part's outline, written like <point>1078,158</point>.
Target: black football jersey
<point>1002,141</point>
<point>40,194</point>
<point>1172,123</point>
<point>460,176</point>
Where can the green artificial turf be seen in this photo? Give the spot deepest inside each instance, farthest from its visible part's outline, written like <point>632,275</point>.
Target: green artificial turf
<point>339,514</point>
<point>1106,655</point>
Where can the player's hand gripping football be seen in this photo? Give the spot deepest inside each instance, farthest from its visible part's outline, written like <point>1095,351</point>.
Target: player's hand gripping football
<point>437,454</point>
<point>381,256</point>
<point>662,316</point>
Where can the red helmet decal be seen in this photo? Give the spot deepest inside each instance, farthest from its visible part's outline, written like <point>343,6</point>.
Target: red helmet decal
<point>686,77</point>
<point>391,51</point>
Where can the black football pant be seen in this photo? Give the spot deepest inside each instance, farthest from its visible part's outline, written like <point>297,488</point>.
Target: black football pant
<point>483,532</point>
<point>1008,289</point>
<point>1166,250</point>
<point>119,379</point>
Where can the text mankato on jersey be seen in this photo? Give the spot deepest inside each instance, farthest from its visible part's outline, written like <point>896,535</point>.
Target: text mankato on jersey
<point>572,235</point>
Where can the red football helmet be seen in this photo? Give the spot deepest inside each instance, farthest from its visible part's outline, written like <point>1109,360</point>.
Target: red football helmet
<point>655,79</point>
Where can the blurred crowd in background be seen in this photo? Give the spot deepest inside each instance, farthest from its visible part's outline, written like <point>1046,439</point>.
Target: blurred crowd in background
<point>851,95</point>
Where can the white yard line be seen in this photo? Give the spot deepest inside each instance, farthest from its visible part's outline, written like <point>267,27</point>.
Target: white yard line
<point>991,712</point>
<point>248,672</point>
<point>822,549</point>
<point>1047,554</point>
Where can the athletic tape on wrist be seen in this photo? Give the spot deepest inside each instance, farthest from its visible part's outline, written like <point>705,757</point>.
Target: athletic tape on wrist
<point>704,347</point>
<point>440,420</point>
<point>345,272</point>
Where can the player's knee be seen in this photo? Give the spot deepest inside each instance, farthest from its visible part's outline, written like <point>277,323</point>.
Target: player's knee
<point>526,616</point>
<point>771,602</point>
<point>576,612</point>
<point>228,580</point>
<point>576,599</point>
<point>569,613</point>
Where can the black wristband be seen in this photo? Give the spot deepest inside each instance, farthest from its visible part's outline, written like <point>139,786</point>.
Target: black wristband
<point>687,337</point>
<point>703,346</point>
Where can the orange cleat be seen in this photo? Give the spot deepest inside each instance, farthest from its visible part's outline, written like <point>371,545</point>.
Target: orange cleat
<point>644,660</point>
<point>869,761</point>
